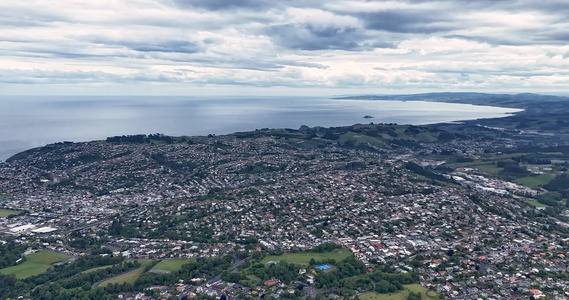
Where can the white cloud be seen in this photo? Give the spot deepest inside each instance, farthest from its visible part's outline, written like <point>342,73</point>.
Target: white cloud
<point>132,46</point>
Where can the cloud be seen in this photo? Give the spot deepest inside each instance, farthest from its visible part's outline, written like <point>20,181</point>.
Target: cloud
<point>168,46</point>
<point>517,45</point>
<point>310,37</point>
<point>408,21</point>
<point>216,5</point>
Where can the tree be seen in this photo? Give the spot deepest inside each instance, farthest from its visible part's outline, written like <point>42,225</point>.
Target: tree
<point>414,296</point>
<point>86,286</point>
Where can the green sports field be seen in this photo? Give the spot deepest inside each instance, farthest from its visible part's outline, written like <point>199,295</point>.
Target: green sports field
<point>534,181</point>
<point>536,204</point>
<point>4,213</point>
<point>35,264</point>
<point>303,258</point>
<point>172,265</point>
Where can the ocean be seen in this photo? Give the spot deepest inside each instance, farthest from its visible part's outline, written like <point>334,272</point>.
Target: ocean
<point>32,121</point>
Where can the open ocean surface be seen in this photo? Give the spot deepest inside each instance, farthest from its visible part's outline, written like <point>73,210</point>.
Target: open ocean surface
<point>27,122</point>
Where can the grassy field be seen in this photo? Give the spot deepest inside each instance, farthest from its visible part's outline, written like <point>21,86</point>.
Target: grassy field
<point>36,263</point>
<point>4,213</point>
<point>359,139</point>
<point>533,181</point>
<point>420,289</point>
<point>401,295</point>
<point>95,269</point>
<point>488,167</point>
<point>486,163</point>
<point>129,277</point>
<point>303,258</point>
<point>172,264</point>
<point>536,204</point>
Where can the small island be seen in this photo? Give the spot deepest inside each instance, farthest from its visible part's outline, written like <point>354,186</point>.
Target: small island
<point>368,117</point>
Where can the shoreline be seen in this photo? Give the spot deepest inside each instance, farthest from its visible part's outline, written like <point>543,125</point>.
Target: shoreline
<point>236,132</point>
<point>420,120</point>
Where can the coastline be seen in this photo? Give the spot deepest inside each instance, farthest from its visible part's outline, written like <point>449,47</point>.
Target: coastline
<point>247,117</point>
<point>456,122</point>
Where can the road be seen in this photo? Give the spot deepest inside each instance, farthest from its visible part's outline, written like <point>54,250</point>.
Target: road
<point>235,265</point>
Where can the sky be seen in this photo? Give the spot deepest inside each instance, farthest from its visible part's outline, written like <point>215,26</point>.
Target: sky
<point>286,47</point>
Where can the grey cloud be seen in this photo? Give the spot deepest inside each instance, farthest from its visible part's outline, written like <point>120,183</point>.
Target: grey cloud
<point>77,77</point>
<point>251,5</point>
<point>9,21</point>
<point>407,21</point>
<point>207,57</point>
<point>224,62</point>
<point>311,37</point>
<point>559,36</point>
<point>439,18</point>
<point>216,5</point>
<point>53,77</point>
<point>167,46</point>
<point>170,46</point>
<point>510,41</point>
<point>552,6</point>
<point>519,38</point>
<point>21,17</point>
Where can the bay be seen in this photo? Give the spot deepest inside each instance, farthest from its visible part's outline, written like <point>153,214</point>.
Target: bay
<point>27,122</point>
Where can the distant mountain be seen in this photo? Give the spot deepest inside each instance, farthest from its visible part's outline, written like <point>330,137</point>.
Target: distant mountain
<point>524,100</point>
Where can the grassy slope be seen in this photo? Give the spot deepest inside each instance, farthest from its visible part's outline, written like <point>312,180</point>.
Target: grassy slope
<point>303,258</point>
<point>359,138</point>
<point>96,269</point>
<point>36,263</point>
<point>129,277</point>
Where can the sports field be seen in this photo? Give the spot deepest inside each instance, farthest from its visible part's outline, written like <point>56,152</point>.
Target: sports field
<point>172,265</point>
<point>4,213</point>
<point>534,181</point>
<point>35,264</point>
<point>303,258</point>
<point>536,204</point>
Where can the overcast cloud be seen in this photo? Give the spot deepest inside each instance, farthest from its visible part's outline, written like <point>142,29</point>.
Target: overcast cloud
<point>288,46</point>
